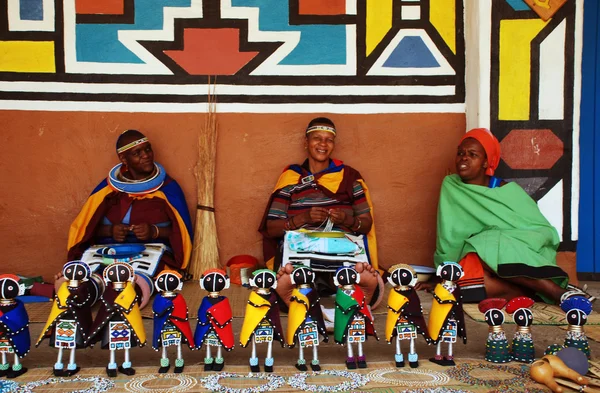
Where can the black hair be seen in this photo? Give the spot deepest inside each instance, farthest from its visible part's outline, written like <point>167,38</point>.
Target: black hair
<point>127,137</point>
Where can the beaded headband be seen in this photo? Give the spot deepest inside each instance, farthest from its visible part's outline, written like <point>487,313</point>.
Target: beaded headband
<point>321,128</point>
<point>131,145</point>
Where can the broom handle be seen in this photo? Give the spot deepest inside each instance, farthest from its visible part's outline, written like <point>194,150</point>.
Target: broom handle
<point>573,385</point>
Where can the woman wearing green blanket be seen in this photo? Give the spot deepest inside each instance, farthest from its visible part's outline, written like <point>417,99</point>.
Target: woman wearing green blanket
<point>506,247</point>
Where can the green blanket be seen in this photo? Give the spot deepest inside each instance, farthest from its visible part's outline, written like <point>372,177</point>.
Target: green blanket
<point>503,225</point>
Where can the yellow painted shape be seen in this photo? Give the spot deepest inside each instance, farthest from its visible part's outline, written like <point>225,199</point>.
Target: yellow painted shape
<point>515,67</point>
<point>442,15</point>
<point>379,22</point>
<point>27,56</point>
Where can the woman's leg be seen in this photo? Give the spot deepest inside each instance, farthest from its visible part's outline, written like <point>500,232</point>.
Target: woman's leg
<point>510,287</point>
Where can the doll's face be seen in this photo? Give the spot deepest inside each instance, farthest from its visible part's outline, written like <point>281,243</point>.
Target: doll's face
<point>523,317</point>
<point>451,272</point>
<point>167,282</point>
<point>9,288</point>
<point>76,271</point>
<point>303,275</point>
<point>576,317</point>
<point>118,273</point>
<point>265,279</point>
<point>494,317</point>
<point>346,276</point>
<point>402,277</point>
<point>214,282</point>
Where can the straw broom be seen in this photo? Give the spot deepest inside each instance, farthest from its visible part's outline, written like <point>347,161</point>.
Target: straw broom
<point>205,254</point>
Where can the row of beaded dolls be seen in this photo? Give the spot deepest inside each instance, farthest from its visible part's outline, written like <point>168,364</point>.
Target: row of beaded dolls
<point>118,324</point>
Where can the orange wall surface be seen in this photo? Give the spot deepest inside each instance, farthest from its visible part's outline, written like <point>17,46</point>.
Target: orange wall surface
<point>50,162</point>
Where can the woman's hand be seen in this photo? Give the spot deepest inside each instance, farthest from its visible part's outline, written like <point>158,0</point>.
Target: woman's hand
<point>338,216</point>
<point>316,215</point>
<point>119,232</point>
<point>143,231</point>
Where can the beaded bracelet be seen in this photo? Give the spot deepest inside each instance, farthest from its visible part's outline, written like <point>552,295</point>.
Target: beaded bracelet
<point>462,373</point>
<point>355,380</point>
<point>274,382</point>
<point>157,232</point>
<point>359,224</point>
<point>437,378</point>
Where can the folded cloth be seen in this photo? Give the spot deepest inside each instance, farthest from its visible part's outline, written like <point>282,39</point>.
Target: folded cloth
<point>301,242</point>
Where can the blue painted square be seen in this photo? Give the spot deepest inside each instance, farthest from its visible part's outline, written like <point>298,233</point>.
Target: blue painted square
<point>411,52</point>
<point>31,9</point>
<point>518,5</point>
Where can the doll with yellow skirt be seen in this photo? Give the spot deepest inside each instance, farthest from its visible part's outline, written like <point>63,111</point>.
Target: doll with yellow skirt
<point>118,324</point>
<point>262,323</point>
<point>405,315</point>
<point>446,318</point>
<point>305,318</point>
<point>70,318</point>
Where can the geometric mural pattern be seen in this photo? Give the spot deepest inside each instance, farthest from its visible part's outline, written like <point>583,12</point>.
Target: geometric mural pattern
<point>532,77</point>
<point>262,51</point>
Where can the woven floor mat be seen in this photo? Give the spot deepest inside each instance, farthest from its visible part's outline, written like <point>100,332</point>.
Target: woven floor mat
<point>543,314</point>
<point>148,380</point>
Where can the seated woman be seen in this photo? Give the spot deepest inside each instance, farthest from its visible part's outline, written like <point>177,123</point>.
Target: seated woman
<point>137,203</point>
<point>306,196</point>
<point>506,247</point>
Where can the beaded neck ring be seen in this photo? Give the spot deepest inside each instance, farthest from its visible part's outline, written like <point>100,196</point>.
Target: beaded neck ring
<point>212,383</point>
<point>437,378</point>
<point>462,373</point>
<point>355,380</point>
<point>99,384</point>
<point>136,385</point>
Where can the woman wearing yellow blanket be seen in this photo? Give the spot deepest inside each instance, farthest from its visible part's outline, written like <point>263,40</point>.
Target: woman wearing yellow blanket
<point>306,196</point>
<point>497,233</point>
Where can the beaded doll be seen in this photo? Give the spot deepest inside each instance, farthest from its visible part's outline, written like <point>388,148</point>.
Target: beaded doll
<point>261,320</point>
<point>577,308</point>
<point>405,315</point>
<point>305,318</point>
<point>497,349</point>
<point>14,326</point>
<point>171,324</point>
<point>215,319</point>
<point>522,349</point>
<point>118,324</point>
<point>70,319</point>
<point>446,319</point>
<point>353,319</point>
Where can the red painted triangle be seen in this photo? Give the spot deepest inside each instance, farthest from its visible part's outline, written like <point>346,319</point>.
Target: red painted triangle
<point>211,52</point>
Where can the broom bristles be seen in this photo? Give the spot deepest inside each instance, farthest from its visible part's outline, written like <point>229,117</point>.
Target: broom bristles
<point>205,254</point>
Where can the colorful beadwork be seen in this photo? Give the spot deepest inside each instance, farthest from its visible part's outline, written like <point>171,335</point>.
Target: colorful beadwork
<point>212,382</point>
<point>136,385</point>
<point>355,380</point>
<point>462,373</point>
<point>437,378</point>
<point>99,384</point>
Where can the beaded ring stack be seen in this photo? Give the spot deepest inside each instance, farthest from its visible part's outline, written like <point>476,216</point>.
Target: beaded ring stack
<point>99,384</point>
<point>356,380</point>
<point>437,378</point>
<point>273,382</point>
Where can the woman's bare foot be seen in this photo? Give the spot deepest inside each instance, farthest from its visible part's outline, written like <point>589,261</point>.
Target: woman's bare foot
<point>284,283</point>
<point>369,281</point>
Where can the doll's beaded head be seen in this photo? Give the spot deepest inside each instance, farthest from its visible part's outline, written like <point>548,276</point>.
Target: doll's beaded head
<point>118,272</point>
<point>78,271</point>
<point>9,287</point>
<point>346,276</point>
<point>168,281</point>
<point>402,275</point>
<point>214,280</point>
<point>450,271</point>
<point>263,279</point>
<point>302,275</point>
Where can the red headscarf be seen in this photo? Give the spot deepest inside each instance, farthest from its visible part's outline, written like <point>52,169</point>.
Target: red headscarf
<point>490,145</point>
